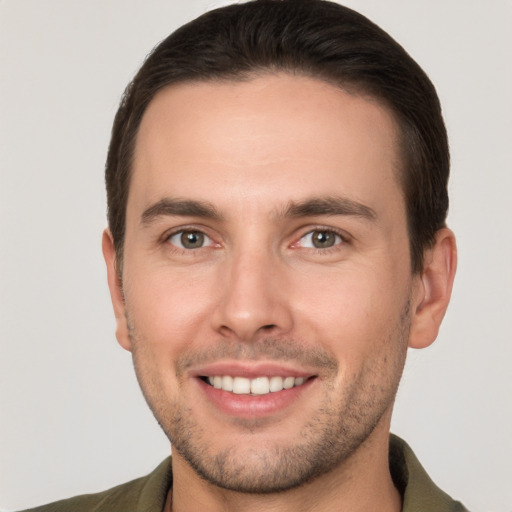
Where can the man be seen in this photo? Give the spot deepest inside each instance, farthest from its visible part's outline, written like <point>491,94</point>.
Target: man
<point>276,185</point>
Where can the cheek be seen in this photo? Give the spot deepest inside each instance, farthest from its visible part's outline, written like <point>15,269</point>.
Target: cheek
<point>351,311</point>
<point>168,309</point>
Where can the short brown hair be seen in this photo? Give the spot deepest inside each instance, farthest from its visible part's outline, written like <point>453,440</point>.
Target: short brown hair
<point>316,38</point>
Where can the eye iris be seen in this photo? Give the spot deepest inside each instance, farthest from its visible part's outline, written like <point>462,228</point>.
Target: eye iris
<point>323,239</point>
<point>192,239</point>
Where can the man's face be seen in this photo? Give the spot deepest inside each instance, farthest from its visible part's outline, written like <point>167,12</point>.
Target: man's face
<point>266,247</point>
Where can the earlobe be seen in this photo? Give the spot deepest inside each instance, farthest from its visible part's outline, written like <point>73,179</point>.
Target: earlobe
<point>433,290</point>
<point>116,290</point>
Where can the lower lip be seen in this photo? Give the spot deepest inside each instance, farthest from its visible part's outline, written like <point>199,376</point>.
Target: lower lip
<point>253,406</point>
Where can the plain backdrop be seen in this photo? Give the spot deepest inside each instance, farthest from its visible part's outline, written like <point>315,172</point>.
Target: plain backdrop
<point>72,418</point>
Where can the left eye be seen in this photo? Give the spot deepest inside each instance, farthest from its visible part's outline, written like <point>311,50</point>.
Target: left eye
<point>190,239</point>
<point>320,239</point>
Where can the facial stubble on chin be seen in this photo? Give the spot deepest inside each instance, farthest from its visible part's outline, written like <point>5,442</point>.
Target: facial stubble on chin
<point>328,438</point>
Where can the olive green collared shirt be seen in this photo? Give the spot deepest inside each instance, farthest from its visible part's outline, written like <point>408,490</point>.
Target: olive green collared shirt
<point>149,493</point>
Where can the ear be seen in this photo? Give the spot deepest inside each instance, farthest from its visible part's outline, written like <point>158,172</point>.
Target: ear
<point>433,289</point>
<point>116,290</point>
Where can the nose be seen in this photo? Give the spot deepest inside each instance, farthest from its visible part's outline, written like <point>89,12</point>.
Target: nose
<point>252,300</point>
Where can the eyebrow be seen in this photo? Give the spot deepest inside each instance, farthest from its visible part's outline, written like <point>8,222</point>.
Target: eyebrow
<point>308,208</point>
<point>179,207</point>
<point>329,206</point>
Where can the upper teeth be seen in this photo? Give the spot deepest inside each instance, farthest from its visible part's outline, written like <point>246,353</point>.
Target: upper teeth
<point>257,386</point>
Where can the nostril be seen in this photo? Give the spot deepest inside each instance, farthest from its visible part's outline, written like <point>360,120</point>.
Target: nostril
<point>268,327</point>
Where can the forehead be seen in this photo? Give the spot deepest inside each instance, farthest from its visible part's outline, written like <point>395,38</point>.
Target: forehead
<point>263,141</point>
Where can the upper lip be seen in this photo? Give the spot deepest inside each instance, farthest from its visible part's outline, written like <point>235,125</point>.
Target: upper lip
<point>249,369</point>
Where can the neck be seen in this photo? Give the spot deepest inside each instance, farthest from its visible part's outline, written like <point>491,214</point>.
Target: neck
<point>360,483</point>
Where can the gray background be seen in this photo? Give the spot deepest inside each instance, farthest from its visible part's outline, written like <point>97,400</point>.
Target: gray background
<point>72,418</point>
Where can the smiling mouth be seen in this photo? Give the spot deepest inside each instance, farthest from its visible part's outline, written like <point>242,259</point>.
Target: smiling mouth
<point>257,386</point>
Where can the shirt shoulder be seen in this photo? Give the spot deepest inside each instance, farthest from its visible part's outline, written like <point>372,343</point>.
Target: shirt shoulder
<point>146,494</point>
<point>419,492</point>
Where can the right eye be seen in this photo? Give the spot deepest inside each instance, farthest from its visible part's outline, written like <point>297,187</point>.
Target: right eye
<point>190,239</point>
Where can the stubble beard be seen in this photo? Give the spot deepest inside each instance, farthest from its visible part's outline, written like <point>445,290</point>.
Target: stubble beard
<point>339,427</point>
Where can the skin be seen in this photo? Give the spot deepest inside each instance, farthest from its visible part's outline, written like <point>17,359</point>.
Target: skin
<point>257,296</point>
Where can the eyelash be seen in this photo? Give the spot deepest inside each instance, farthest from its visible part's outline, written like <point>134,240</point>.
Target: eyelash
<point>166,239</point>
<point>343,239</point>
